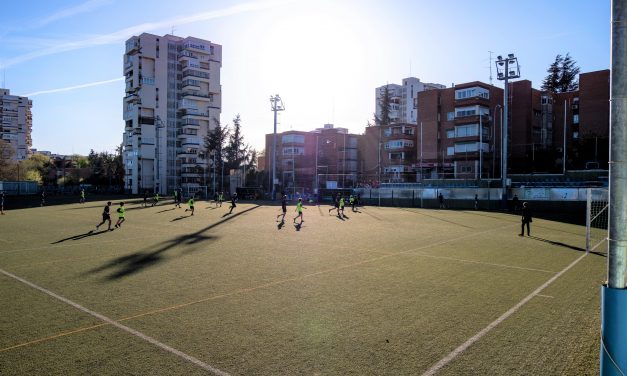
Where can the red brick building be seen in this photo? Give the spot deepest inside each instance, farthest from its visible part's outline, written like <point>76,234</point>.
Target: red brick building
<point>324,158</point>
<point>397,145</point>
<point>453,147</point>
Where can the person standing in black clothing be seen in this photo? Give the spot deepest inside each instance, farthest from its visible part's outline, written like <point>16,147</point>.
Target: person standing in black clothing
<point>526,219</point>
<point>515,202</point>
<point>233,199</point>
<point>336,205</point>
<point>283,208</point>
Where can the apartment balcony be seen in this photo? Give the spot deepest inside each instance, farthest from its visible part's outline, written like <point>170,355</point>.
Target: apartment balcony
<point>195,75</point>
<point>190,86</point>
<point>197,96</point>
<point>472,100</point>
<point>128,66</point>
<point>187,113</point>
<point>132,46</point>
<point>132,98</point>
<point>185,56</point>
<point>472,119</point>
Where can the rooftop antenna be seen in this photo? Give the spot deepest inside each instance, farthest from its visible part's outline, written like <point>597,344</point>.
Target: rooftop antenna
<point>172,31</point>
<point>490,65</point>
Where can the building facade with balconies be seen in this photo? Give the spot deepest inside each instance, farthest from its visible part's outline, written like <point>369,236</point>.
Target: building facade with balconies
<point>173,95</point>
<point>16,124</point>
<point>403,99</point>
<point>307,161</point>
<point>389,154</point>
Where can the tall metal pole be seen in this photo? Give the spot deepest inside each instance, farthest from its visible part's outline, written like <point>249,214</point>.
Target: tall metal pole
<point>480,145</point>
<point>504,135</point>
<point>617,257</point>
<point>344,164</point>
<point>277,105</point>
<point>316,172</point>
<point>273,197</point>
<point>614,295</point>
<point>421,173</point>
<point>564,144</point>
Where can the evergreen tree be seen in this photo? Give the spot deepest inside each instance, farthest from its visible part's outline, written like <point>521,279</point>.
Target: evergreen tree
<point>215,142</point>
<point>386,107</point>
<point>562,75</point>
<point>551,81</point>
<point>236,150</point>
<point>568,77</point>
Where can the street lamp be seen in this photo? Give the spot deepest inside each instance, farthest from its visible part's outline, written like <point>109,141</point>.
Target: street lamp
<point>506,69</point>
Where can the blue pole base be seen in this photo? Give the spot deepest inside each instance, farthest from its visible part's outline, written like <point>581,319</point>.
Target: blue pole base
<point>613,331</point>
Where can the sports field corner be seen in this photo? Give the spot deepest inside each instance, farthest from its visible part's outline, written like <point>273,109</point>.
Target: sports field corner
<point>386,291</point>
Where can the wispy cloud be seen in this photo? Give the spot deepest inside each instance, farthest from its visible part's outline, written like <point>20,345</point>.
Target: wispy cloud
<point>122,35</point>
<point>85,7</point>
<point>75,87</point>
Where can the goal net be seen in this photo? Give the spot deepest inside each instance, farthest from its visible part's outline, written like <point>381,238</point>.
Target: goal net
<point>597,209</point>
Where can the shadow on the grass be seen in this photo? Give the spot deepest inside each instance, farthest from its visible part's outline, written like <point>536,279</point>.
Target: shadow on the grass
<point>81,236</point>
<point>166,210</point>
<point>560,244</point>
<point>135,262</point>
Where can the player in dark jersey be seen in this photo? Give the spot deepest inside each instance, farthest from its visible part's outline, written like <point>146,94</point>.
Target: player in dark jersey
<point>105,216</point>
<point>283,208</point>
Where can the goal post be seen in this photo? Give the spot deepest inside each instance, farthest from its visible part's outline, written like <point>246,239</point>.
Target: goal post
<point>597,215</point>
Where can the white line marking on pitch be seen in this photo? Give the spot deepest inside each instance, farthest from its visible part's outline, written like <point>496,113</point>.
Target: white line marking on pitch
<point>453,354</point>
<point>125,328</point>
<point>483,263</point>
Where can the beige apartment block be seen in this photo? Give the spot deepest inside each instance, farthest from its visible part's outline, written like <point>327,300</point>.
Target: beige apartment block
<point>17,124</point>
<point>172,99</point>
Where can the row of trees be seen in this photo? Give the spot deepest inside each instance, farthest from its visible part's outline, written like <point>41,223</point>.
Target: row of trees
<point>99,169</point>
<point>227,147</point>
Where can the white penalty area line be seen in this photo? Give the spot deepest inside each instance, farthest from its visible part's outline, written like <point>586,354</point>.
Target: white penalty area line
<point>453,354</point>
<point>421,254</point>
<point>125,328</point>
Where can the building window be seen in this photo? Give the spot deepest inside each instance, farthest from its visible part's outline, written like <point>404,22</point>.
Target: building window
<point>472,92</point>
<point>450,150</point>
<point>576,119</point>
<point>293,138</point>
<point>450,116</point>
<point>468,130</point>
<point>450,133</point>
<point>575,135</point>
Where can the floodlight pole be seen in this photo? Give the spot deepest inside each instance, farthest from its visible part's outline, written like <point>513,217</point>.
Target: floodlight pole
<point>500,62</point>
<point>613,357</point>
<point>277,105</point>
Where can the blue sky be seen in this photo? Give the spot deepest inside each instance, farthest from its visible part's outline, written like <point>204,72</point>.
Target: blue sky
<point>323,57</point>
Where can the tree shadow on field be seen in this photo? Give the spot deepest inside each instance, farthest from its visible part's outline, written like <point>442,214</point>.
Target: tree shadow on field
<point>560,244</point>
<point>179,218</point>
<point>166,210</point>
<point>81,236</point>
<point>130,264</point>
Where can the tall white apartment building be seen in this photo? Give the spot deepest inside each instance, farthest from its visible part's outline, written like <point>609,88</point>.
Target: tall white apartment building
<point>17,124</point>
<point>403,106</point>
<point>173,95</point>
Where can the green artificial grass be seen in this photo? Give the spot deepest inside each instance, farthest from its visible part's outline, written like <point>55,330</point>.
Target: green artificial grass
<point>383,291</point>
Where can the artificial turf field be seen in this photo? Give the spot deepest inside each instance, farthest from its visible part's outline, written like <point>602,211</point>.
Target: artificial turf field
<point>387,291</point>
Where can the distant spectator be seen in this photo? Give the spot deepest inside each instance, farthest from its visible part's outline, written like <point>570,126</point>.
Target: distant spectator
<point>476,201</point>
<point>526,219</point>
<point>441,200</point>
<point>515,202</point>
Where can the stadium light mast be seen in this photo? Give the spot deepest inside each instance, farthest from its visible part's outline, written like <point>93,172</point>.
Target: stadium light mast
<point>276,105</point>
<point>614,295</point>
<point>505,70</point>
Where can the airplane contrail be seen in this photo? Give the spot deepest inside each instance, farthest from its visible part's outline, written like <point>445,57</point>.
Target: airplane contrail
<point>70,88</point>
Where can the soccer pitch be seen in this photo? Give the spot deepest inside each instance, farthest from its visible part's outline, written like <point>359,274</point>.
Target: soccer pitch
<point>386,291</point>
